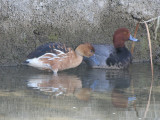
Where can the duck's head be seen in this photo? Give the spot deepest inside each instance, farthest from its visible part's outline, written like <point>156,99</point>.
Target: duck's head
<point>86,50</point>
<point>122,35</point>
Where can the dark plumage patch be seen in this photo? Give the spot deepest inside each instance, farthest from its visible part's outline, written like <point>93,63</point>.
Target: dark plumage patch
<point>121,58</point>
<point>48,48</point>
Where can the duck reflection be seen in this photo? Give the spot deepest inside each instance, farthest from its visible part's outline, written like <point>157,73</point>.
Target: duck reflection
<point>105,80</point>
<point>114,81</point>
<point>63,84</point>
<point>90,80</point>
<point>83,94</point>
<point>121,100</point>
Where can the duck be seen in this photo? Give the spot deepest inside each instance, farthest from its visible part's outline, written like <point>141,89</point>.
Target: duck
<point>57,57</point>
<point>115,56</point>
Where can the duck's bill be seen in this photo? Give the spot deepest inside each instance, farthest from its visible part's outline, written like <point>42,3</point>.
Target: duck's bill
<point>92,60</point>
<point>133,39</point>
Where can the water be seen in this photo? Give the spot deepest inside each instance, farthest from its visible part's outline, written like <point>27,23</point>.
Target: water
<point>79,94</point>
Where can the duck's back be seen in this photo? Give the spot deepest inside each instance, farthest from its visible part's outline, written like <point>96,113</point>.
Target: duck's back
<point>102,52</point>
<point>48,48</point>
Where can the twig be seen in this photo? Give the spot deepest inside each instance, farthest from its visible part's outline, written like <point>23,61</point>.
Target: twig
<point>157,26</point>
<point>150,47</point>
<point>150,20</point>
<point>158,22</point>
<point>135,33</point>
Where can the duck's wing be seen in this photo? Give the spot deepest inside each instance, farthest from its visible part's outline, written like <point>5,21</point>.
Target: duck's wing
<point>55,48</point>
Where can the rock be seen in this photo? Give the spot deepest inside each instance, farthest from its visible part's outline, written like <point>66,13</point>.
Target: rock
<point>26,24</point>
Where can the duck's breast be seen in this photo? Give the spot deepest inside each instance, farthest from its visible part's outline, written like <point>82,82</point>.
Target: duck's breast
<point>119,59</point>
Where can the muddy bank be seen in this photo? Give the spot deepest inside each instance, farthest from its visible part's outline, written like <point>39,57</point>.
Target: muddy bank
<point>25,24</point>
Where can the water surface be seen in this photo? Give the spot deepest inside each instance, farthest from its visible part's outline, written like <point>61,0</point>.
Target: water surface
<point>79,94</point>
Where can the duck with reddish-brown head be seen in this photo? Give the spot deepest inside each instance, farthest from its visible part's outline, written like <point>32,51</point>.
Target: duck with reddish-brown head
<point>115,56</point>
<point>58,57</point>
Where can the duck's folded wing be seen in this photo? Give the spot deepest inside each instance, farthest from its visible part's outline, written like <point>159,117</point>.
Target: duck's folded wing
<point>48,48</point>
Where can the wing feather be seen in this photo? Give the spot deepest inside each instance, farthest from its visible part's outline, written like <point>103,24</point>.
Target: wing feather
<point>55,48</point>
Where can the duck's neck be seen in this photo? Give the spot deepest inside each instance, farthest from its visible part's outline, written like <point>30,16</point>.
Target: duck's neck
<point>78,53</point>
<point>121,49</point>
<point>77,59</point>
<point>118,43</point>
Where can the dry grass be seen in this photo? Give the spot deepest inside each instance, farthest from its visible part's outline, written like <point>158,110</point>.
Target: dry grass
<point>150,49</point>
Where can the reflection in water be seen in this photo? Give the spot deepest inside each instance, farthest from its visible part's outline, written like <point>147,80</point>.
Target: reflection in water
<point>105,80</point>
<point>119,99</point>
<point>110,80</point>
<point>82,94</point>
<point>63,84</point>
<point>60,85</point>
<point>94,80</point>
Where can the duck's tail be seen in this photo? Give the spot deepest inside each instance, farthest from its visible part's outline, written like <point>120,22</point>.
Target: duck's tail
<point>26,62</point>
